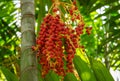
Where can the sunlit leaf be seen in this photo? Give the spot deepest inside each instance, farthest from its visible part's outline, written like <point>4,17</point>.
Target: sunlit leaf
<point>84,71</point>
<point>8,74</point>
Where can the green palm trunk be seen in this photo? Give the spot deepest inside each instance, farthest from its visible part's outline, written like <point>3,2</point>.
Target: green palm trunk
<point>28,58</point>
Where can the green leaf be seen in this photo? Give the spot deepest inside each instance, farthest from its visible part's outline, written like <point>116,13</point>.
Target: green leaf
<point>41,12</point>
<point>96,7</point>
<point>52,76</point>
<point>113,9</point>
<point>39,73</point>
<point>70,77</point>
<point>85,73</point>
<point>113,49</point>
<point>100,71</point>
<point>78,4</point>
<point>90,4</point>
<point>8,74</point>
<point>112,19</point>
<point>111,38</point>
<point>49,3</point>
<point>83,2</point>
<point>100,4</point>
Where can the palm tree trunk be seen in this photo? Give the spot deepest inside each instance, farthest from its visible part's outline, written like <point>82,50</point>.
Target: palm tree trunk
<point>28,58</point>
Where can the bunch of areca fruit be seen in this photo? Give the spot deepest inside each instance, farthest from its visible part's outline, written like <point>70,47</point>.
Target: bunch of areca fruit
<point>59,52</point>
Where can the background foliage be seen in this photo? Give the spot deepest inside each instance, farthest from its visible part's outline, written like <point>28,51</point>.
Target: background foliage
<point>9,40</point>
<point>102,15</point>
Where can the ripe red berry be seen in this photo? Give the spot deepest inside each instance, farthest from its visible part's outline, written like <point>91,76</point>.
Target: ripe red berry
<point>74,2</point>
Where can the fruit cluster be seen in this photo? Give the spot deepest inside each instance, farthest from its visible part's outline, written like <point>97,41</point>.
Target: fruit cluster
<point>88,30</point>
<point>50,45</point>
<point>57,43</point>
